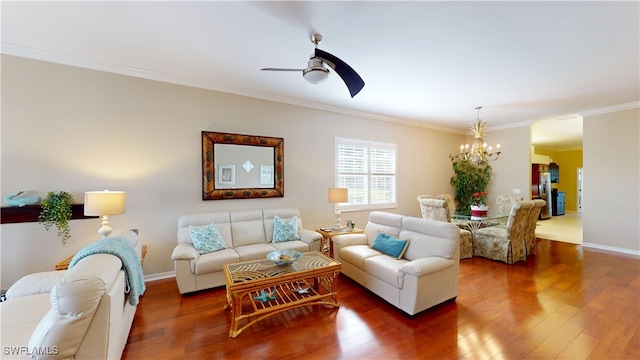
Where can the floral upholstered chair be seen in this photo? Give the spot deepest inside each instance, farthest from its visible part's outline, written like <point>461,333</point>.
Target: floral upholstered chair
<point>505,243</point>
<point>438,210</point>
<point>530,230</point>
<point>504,204</point>
<point>452,210</point>
<point>420,197</point>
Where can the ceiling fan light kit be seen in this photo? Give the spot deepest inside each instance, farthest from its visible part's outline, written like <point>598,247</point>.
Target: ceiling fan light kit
<point>316,72</point>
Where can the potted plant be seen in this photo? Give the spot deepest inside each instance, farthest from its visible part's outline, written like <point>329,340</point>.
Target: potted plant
<point>56,211</point>
<point>479,206</point>
<point>469,177</point>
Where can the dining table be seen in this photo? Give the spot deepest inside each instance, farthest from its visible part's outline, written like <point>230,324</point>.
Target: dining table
<point>493,217</point>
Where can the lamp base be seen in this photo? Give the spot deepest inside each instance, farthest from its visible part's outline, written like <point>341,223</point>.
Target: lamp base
<point>105,230</point>
<point>337,226</point>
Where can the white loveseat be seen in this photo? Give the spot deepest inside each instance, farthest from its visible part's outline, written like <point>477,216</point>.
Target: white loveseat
<point>425,276</point>
<point>248,235</point>
<point>80,313</point>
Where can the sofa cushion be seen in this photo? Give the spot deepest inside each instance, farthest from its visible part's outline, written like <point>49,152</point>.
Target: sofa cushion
<point>297,245</point>
<point>73,304</point>
<point>20,316</point>
<point>254,252</point>
<point>390,245</point>
<point>247,228</point>
<point>207,239</point>
<point>429,238</point>
<point>382,222</point>
<point>212,262</point>
<point>36,283</point>
<point>386,269</point>
<point>285,230</point>
<point>357,254</point>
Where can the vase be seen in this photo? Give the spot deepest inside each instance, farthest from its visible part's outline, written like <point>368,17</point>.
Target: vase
<point>479,210</point>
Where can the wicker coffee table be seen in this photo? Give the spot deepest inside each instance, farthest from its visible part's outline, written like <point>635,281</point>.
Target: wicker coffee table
<point>258,289</point>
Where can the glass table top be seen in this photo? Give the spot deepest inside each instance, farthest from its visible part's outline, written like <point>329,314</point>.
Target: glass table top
<point>261,269</point>
<point>491,215</point>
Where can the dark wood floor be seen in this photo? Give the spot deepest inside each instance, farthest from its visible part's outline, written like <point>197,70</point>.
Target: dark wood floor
<point>566,302</point>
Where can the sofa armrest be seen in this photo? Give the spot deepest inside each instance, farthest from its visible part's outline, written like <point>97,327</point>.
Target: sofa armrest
<point>349,239</point>
<point>345,240</point>
<point>184,251</point>
<point>36,283</point>
<point>425,266</point>
<point>309,236</point>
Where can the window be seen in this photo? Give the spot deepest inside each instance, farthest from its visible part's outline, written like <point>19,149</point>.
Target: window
<point>368,170</point>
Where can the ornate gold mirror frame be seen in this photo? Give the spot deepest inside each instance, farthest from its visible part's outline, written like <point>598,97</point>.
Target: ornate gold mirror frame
<point>215,173</point>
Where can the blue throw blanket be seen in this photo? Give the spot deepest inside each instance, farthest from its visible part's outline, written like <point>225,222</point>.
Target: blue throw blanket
<point>122,248</point>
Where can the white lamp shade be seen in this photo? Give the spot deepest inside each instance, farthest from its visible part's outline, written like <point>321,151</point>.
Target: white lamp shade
<point>98,203</point>
<point>338,195</point>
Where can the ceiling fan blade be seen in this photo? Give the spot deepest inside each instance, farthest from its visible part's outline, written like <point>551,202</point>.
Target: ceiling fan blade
<point>349,76</point>
<point>280,69</point>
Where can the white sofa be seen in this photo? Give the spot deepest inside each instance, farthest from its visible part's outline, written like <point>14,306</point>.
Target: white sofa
<point>425,276</point>
<point>80,313</point>
<point>248,235</point>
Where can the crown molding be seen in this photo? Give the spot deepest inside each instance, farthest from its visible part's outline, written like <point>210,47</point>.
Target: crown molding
<point>610,109</point>
<point>510,125</point>
<point>58,58</point>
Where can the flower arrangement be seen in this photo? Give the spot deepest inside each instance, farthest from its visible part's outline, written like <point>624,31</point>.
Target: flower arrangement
<point>480,198</point>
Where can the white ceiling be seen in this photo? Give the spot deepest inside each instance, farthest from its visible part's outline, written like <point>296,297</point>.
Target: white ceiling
<point>426,62</point>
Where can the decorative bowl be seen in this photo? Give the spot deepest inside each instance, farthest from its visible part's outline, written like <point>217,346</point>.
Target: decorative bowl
<point>284,257</point>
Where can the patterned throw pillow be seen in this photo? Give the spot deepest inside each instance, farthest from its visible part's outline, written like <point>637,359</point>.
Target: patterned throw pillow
<point>207,240</point>
<point>285,230</point>
<point>390,245</point>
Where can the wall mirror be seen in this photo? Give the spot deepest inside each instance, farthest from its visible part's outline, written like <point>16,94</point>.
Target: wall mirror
<point>236,166</point>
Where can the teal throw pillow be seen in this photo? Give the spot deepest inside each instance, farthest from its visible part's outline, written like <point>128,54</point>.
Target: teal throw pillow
<point>285,230</point>
<point>207,240</point>
<point>390,245</point>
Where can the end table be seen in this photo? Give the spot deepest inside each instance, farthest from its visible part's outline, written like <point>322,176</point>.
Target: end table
<point>327,238</point>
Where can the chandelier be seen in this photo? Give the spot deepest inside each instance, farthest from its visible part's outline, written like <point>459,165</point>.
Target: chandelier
<point>478,151</point>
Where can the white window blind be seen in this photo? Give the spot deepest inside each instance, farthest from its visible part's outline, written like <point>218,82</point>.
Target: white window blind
<point>368,170</point>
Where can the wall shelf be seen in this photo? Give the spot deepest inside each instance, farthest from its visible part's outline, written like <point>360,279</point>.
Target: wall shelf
<point>30,213</point>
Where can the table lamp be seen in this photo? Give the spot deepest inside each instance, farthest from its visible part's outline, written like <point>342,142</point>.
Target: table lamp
<point>336,196</point>
<point>104,203</point>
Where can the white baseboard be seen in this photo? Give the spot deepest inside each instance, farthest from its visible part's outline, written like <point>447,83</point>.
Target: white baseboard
<point>611,248</point>
<point>159,276</point>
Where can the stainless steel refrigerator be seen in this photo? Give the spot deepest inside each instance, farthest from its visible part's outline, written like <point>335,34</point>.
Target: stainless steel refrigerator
<point>544,192</point>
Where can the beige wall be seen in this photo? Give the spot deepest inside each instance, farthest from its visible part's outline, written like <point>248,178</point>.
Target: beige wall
<point>73,129</point>
<point>512,170</point>
<point>612,180</point>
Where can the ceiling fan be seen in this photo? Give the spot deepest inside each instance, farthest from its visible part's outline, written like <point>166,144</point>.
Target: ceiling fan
<point>316,72</point>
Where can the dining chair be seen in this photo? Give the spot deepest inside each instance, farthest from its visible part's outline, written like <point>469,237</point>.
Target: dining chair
<point>504,204</point>
<point>438,210</point>
<point>452,210</point>
<point>420,197</point>
<point>505,243</point>
<point>530,230</point>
